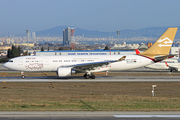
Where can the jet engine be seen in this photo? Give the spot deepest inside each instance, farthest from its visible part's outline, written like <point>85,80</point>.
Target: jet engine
<point>62,72</point>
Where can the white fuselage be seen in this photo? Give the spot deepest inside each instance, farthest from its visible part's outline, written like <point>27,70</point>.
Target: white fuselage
<point>52,63</point>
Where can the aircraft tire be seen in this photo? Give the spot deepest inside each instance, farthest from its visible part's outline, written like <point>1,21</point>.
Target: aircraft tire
<point>22,76</point>
<point>93,77</point>
<point>86,76</point>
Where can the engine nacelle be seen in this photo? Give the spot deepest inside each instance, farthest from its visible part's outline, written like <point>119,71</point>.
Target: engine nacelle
<point>62,72</point>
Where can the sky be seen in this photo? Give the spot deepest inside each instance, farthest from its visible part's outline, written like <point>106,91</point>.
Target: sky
<point>16,16</point>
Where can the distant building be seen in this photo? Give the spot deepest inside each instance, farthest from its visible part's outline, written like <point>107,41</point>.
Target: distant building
<point>24,44</point>
<point>34,37</point>
<point>67,36</point>
<point>142,47</point>
<point>125,46</point>
<point>5,47</point>
<point>8,41</point>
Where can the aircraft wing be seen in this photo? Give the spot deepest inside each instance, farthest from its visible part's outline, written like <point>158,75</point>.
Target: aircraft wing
<point>157,59</point>
<point>91,66</point>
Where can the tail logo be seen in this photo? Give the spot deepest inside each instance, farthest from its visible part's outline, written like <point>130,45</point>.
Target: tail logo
<point>165,41</point>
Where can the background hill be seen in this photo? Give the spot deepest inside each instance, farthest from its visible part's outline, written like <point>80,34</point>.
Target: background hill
<point>146,32</point>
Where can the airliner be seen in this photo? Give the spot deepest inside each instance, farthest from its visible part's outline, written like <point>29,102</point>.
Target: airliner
<point>89,64</point>
<point>169,64</point>
<point>173,67</point>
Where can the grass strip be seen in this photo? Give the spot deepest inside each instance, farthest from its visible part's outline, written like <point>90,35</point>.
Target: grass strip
<point>89,97</point>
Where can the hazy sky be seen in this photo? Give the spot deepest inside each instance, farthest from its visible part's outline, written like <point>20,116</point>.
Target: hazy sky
<point>103,15</point>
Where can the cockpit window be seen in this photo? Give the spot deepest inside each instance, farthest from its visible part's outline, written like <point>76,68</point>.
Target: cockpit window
<point>10,60</point>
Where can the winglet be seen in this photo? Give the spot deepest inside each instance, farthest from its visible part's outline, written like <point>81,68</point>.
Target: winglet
<point>137,51</point>
<point>163,45</point>
<point>122,58</point>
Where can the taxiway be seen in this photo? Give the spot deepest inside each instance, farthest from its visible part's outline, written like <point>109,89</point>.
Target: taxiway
<point>89,115</point>
<point>98,79</point>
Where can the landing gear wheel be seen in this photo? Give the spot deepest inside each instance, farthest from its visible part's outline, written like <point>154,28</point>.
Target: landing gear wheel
<point>92,77</point>
<point>22,76</point>
<point>86,76</point>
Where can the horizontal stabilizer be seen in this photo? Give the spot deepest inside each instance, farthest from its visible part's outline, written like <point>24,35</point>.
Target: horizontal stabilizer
<point>157,59</point>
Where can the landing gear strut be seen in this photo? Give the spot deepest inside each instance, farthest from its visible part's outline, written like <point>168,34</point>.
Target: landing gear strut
<point>87,76</point>
<point>171,70</point>
<point>22,75</point>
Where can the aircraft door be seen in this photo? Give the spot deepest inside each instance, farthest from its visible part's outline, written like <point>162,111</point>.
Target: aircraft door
<point>139,60</point>
<point>46,61</point>
<point>20,61</point>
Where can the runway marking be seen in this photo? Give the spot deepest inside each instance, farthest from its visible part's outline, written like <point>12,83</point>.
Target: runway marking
<point>146,116</point>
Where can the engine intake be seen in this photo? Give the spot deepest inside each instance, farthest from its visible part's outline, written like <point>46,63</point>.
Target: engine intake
<point>62,72</point>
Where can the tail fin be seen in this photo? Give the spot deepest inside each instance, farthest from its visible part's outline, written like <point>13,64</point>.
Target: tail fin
<point>166,64</point>
<point>163,45</point>
<point>137,51</point>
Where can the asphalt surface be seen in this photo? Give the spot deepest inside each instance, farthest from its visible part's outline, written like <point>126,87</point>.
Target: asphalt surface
<point>89,115</point>
<point>98,79</point>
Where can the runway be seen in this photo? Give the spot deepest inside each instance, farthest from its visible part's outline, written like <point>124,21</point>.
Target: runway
<point>117,115</point>
<point>98,79</point>
<point>89,115</point>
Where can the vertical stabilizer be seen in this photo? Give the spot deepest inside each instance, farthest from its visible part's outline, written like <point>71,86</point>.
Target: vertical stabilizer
<point>137,51</point>
<point>163,45</point>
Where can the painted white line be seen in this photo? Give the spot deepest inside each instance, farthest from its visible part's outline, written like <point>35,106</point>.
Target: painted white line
<point>146,116</point>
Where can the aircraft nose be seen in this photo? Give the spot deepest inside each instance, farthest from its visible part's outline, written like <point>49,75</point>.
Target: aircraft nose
<point>5,65</point>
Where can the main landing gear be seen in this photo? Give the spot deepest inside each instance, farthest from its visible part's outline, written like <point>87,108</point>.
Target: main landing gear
<point>88,76</point>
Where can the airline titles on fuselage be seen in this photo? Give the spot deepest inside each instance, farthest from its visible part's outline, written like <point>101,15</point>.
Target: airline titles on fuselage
<point>34,66</point>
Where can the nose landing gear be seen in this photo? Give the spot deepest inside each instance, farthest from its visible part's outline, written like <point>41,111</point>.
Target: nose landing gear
<point>22,75</point>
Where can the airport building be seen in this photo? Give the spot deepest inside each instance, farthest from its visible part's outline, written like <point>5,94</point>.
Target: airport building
<point>84,52</point>
<point>174,50</point>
